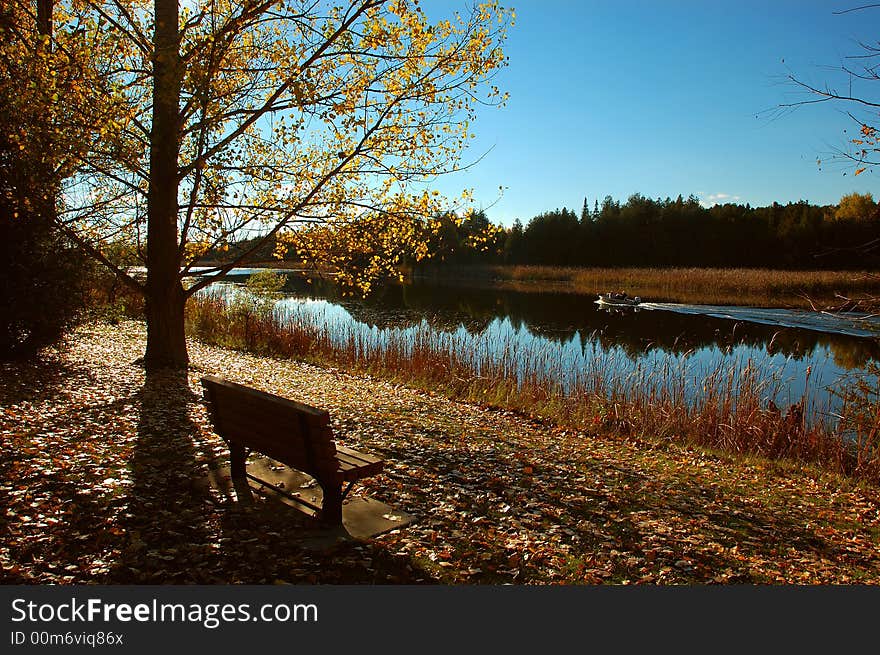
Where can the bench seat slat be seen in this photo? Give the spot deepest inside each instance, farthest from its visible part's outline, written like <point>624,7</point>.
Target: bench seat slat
<point>355,454</point>
<point>357,457</point>
<point>354,465</point>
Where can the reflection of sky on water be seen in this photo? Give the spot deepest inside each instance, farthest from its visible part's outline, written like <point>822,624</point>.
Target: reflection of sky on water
<point>850,324</point>
<point>569,338</point>
<point>578,358</point>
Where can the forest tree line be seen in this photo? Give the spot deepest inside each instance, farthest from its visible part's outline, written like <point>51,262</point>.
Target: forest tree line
<point>680,232</point>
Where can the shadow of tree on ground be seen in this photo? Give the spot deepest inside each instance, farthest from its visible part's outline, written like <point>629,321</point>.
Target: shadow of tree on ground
<point>168,539</point>
<point>40,379</point>
<point>180,531</point>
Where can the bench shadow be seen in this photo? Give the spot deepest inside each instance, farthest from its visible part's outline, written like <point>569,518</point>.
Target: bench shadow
<point>181,529</point>
<point>164,525</point>
<point>269,523</point>
<point>269,540</point>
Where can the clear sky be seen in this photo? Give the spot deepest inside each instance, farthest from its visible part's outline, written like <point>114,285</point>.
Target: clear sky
<point>664,98</point>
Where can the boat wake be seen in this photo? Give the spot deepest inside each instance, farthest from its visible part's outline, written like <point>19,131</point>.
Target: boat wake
<point>851,324</point>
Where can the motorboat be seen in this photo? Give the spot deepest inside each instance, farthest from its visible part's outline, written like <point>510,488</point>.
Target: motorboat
<point>618,300</point>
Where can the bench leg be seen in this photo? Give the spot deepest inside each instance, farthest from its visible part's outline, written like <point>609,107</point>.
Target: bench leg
<point>236,460</point>
<point>331,509</point>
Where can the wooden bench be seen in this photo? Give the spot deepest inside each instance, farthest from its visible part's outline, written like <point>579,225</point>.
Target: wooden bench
<point>292,433</point>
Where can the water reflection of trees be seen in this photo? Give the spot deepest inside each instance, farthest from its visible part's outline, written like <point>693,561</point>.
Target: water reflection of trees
<point>852,353</point>
<point>560,318</point>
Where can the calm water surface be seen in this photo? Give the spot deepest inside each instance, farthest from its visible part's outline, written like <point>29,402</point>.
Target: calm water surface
<point>570,336</point>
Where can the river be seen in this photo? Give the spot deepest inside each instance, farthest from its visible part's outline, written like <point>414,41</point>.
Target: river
<point>793,353</point>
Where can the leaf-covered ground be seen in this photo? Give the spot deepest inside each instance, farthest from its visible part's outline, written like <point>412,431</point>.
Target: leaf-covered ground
<point>100,471</point>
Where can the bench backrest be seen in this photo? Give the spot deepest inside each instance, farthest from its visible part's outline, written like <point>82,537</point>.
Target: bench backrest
<point>293,433</point>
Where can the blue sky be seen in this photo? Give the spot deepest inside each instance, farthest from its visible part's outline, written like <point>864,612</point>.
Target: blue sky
<point>664,98</point>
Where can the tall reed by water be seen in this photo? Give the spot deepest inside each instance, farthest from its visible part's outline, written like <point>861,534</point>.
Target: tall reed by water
<point>724,408</point>
<point>719,286</point>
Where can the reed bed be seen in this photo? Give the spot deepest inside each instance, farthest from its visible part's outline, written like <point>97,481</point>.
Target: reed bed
<point>717,286</point>
<point>724,408</point>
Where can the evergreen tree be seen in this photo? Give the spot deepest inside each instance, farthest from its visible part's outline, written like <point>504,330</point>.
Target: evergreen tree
<point>513,244</point>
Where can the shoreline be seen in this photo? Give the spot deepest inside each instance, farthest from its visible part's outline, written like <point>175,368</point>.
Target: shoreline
<point>772,288</point>
<point>100,464</point>
<point>729,410</point>
<point>820,290</point>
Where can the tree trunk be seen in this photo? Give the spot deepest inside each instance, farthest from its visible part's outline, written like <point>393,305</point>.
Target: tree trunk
<point>165,298</point>
<point>166,338</point>
<point>44,17</point>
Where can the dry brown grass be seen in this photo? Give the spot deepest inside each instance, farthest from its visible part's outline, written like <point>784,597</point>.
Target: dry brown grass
<point>735,286</point>
<point>728,412</point>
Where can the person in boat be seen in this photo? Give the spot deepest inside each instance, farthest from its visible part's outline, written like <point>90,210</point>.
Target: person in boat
<point>623,297</point>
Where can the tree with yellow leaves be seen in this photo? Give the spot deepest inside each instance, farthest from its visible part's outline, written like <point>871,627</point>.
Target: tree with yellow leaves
<point>52,110</point>
<point>855,207</point>
<point>319,124</point>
